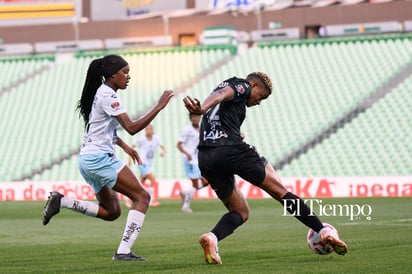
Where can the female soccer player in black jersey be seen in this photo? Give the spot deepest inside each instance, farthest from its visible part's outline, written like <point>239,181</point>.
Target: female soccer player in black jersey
<point>223,153</point>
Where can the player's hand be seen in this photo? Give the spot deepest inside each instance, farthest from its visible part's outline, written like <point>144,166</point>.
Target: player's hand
<point>134,155</point>
<point>165,98</point>
<point>192,105</point>
<point>189,157</point>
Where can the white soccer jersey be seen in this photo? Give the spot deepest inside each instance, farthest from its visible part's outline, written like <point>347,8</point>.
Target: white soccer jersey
<point>147,148</point>
<point>100,136</point>
<point>190,141</point>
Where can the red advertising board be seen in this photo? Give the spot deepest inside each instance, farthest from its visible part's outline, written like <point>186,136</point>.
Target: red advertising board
<point>319,187</point>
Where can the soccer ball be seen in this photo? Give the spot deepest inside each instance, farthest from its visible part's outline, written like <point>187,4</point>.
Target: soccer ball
<point>316,244</point>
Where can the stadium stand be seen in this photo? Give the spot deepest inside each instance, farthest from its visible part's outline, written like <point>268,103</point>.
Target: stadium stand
<point>46,132</point>
<point>340,106</point>
<point>321,83</point>
<point>376,143</point>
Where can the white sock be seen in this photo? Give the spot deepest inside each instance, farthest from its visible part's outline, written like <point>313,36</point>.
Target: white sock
<point>84,207</point>
<point>151,192</point>
<point>189,196</point>
<point>131,231</point>
<point>199,184</point>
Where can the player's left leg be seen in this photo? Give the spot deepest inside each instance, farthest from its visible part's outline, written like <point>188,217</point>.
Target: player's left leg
<point>192,172</point>
<point>273,186</point>
<point>128,185</point>
<point>187,196</point>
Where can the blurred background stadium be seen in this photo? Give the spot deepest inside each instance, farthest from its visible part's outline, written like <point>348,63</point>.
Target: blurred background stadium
<point>342,72</point>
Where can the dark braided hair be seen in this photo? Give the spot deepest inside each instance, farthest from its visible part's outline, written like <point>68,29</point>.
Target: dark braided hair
<point>99,70</point>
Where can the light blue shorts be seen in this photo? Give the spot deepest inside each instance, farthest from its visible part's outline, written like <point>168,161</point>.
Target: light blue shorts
<point>192,171</point>
<point>144,169</point>
<point>100,170</point>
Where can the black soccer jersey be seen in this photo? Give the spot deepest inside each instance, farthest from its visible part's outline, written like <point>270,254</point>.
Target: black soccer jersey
<point>221,124</point>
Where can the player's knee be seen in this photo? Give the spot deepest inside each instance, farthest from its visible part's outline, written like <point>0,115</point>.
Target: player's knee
<point>245,218</point>
<point>245,215</point>
<point>142,197</point>
<point>145,198</point>
<point>113,215</point>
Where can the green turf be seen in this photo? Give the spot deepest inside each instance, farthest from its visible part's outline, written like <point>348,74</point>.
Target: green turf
<point>267,243</point>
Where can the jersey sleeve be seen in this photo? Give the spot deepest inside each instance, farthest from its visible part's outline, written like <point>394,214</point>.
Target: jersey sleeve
<point>139,142</point>
<point>183,135</point>
<point>240,87</point>
<point>159,140</point>
<point>112,105</point>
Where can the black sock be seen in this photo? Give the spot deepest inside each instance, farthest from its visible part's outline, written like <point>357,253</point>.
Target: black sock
<point>304,215</point>
<point>227,224</point>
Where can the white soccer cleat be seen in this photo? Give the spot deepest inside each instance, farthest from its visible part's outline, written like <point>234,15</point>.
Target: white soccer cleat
<point>208,241</point>
<point>327,235</point>
<point>187,210</point>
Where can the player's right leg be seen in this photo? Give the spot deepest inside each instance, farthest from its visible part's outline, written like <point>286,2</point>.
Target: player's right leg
<point>52,206</point>
<point>237,215</point>
<point>99,171</point>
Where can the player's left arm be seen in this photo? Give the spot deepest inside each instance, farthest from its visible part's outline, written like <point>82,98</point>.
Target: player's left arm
<point>162,150</point>
<point>129,150</point>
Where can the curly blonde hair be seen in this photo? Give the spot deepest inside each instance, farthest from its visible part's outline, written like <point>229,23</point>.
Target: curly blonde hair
<point>264,78</point>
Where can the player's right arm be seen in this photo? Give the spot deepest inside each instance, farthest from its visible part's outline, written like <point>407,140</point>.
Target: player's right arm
<point>182,150</point>
<point>193,105</point>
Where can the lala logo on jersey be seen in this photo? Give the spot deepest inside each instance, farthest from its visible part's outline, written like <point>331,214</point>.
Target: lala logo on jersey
<point>240,88</point>
<point>115,105</point>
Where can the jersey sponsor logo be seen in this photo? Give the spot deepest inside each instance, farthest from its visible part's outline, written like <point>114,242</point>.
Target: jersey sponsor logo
<point>214,135</point>
<point>115,105</point>
<point>114,96</point>
<point>240,88</point>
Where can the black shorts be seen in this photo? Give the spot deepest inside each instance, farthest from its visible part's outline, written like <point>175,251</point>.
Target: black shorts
<point>219,165</point>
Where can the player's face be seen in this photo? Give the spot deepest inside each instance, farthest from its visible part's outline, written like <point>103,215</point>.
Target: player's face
<point>149,130</point>
<point>258,94</point>
<point>121,78</point>
<point>195,120</point>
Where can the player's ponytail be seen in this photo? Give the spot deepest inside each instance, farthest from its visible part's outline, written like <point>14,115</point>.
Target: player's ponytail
<point>94,79</point>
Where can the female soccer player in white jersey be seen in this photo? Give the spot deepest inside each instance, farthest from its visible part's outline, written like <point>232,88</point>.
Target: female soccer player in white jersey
<point>147,145</point>
<point>187,145</point>
<point>102,111</point>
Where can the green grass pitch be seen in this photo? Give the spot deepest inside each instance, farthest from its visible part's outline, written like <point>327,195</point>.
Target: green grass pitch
<point>267,243</point>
